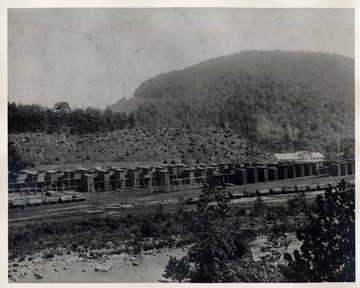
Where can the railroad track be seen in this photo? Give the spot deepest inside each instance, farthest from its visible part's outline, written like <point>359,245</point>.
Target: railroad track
<point>142,208</point>
<point>138,203</point>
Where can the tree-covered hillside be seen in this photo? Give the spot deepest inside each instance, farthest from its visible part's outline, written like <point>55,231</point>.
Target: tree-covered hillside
<point>284,101</point>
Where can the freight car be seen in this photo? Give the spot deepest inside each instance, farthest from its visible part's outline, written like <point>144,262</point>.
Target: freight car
<point>46,201</point>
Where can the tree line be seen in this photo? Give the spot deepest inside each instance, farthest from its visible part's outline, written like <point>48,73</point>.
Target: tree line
<point>61,118</point>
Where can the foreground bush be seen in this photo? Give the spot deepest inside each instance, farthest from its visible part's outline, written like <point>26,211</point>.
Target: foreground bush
<point>328,249</point>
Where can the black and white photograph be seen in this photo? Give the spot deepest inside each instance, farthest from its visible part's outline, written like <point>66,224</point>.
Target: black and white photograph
<point>180,145</point>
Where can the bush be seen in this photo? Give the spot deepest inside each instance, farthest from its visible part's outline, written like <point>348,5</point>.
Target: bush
<point>149,228</point>
<point>48,255</point>
<point>328,249</point>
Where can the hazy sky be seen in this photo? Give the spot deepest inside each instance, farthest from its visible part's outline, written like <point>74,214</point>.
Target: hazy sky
<point>93,57</point>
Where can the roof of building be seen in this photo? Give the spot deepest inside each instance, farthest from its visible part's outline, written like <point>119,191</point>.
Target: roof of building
<point>30,172</point>
<point>298,156</point>
<point>287,156</point>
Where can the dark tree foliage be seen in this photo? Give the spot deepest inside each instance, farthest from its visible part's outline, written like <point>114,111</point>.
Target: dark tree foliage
<point>297,204</point>
<point>177,270</point>
<point>263,271</point>
<point>258,209</point>
<point>16,162</point>
<point>214,246</point>
<point>27,118</point>
<point>61,118</point>
<point>328,249</point>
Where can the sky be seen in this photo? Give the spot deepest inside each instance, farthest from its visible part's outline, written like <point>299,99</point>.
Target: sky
<point>95,56</point>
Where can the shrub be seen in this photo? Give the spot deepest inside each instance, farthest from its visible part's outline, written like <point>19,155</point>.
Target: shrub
<point>328,249</point>
<point>48,255</point>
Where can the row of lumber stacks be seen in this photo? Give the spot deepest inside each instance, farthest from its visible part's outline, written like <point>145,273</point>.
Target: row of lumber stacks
<point>341,168</point>
<point>262,172</point>
<point>113,178</point>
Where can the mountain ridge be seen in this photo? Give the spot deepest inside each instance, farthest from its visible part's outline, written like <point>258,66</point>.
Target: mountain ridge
<point>276,98</point>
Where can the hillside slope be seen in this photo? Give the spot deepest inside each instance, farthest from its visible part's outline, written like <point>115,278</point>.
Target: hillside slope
<point>201,144</point>
<point>284,101</point>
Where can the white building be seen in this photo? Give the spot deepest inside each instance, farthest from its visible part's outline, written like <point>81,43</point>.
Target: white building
<point>300,156</point>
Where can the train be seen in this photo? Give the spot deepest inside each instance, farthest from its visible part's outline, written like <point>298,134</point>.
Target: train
<point>45,201</point>
<point>251,192</point>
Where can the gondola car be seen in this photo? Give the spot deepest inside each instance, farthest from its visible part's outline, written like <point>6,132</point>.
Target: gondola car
<point>50,200</point>
<point>65,199</point>
<point>312,187</point>
<point>34,202</point>
<point>113,206</point>
<point>79,198</point>
<point>18,204</point>
<point>191,200</point>
<point>262,192</point>
<point>236,195</point>
<point>288,189</point>
<point>300,188</point>
<point>276,191</point>
<point>332,185</point>
<point>322,186</point>
<point>250,193</point>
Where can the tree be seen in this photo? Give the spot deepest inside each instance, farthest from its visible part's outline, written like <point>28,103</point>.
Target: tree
<point>276,240</point>
<point>62,108</point>
<point>297,204</point>
<point>258,208</point>
<point>132,120</point>
<point>221,251</point>
<point>109,119</point>
<point>16,162</point>
<point>13,118</point>
<point>177,270</point>
<point>214,246</point>
<point>59,116</point>
<point>328,249</point>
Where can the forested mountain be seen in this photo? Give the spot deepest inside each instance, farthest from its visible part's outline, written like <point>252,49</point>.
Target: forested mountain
<point>284,101</point>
